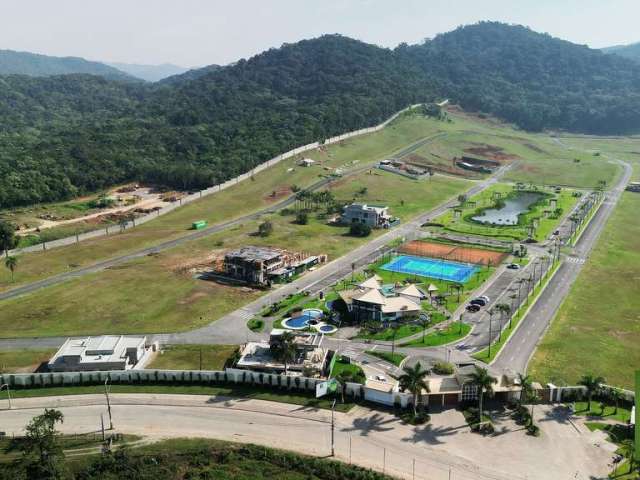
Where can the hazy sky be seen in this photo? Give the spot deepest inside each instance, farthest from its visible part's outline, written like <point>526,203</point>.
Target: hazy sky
<point>199,32</point>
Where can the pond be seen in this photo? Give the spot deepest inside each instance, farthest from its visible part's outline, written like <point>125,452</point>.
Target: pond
<point>511,208</point>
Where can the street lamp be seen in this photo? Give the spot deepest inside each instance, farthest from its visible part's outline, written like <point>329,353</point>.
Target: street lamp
<point>8,392</point>
<point>106,394</point>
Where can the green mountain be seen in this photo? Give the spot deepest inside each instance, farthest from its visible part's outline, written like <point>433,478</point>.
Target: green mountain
<point>66,135</point>
<point>35,65</point>
<point>150,73</point>
<point>631,51</point>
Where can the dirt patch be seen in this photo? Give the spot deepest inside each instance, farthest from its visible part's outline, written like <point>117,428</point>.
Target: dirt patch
<point>534,148</point>
<point>193,298</point>
<point>446,168</point>
<point>453,252</point>
<point>491,152</point>
<point>278,194</point>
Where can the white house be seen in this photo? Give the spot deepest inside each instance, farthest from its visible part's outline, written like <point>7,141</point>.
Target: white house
<point>376,216</point>
<point>108,352</point>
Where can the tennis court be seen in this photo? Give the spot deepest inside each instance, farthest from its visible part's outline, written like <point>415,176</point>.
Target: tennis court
<point>453,252</point>
<point>432,268</point>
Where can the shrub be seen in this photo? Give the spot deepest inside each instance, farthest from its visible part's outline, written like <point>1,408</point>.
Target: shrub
<point>359,230</point>
<point>533,430</point>
<point>265,228</point>
<point>302,218</point>
<point>443,368</point>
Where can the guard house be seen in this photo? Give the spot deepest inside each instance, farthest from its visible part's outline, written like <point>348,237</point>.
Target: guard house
<point>376,216</point>
<point>108,352</point>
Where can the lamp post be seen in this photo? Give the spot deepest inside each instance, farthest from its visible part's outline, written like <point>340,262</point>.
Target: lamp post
<point>8,392</point>
<point>106,394</point>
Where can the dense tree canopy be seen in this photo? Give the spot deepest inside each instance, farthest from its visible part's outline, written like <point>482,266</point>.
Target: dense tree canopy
<point>63,136</point>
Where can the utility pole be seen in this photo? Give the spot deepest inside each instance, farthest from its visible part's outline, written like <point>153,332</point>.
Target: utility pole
<point>490,333</point>
<point>106,393</point>
<point>8,393</point>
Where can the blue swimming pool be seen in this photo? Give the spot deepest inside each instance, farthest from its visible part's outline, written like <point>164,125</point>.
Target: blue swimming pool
<point>430,267</point>
<point>298,323</point>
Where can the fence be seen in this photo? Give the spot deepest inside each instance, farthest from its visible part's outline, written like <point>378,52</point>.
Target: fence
<point>229,376</point>
<point>203,193</point>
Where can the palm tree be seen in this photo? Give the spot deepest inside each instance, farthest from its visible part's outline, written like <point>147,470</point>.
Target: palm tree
<point>413,379</point>
<point>628,451</point>
<point>285,349</point>
<point>11,263</point>
<point>484,381</point>
<point>504,309</point>
<point>526,386</point>
<point>344,377</point>
<point>616,396</point>
<point>591,383</point>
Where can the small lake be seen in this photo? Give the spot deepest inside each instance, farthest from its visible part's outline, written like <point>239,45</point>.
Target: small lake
<point>508,213</point>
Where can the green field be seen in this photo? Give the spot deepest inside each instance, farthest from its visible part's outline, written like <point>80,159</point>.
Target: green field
<point>160,293</point>
<point>565,200</point>
<point>236,201</point>
<point>597,328</point>
<point>451,333</point>
<point>26,360</point>
<point>204,459</point>
<point>188,357</point>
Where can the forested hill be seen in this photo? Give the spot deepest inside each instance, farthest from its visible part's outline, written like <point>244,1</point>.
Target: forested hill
<point>631,51</point>
<point>66,135</point>
<point>534,80</point>
<point>35,65</point>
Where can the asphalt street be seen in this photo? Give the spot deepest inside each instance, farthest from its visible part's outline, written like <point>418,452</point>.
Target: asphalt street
<point>522,344</point>
<point>441,450</point>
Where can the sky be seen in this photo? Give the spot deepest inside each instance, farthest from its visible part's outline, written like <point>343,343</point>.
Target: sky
<point>194,33</point>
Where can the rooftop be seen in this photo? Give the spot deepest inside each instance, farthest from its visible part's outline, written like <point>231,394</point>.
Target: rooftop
<point>252,253</point>
<point>103,349</point>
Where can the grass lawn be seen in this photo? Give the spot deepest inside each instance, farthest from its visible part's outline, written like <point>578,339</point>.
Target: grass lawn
<point>23,361</point>
<point>160,293</point>
<point>565,200</point>
<point>348,368</point>
<point>235,391</point>
<point>238,200</point>
<point>623,414</point>
<point>596,332</point>
<point>453,332</point>
<point>484,354</point>
<point>395,358</point>
<point>187,357</point>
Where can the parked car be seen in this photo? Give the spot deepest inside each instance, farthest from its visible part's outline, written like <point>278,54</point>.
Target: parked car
<point>481,302</point>
<point>473,307</point>
<point>485,298</point>
<point>513,266</point>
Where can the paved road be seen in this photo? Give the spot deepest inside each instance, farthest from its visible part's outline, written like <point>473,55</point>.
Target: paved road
<point>442,450</point>
<point>522,344</point>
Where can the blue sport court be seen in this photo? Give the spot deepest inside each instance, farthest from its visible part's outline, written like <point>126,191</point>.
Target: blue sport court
<point>430,267</point>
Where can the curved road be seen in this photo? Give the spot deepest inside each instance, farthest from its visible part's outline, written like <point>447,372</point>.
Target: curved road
<point>443,449</point>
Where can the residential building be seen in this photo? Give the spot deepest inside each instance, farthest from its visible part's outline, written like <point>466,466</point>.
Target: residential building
<point>376,216</point>
<point>310,357</point>
<point>372,300</point>
<point>262,265</point>
<point>306,162</point>
<point>108,352</point>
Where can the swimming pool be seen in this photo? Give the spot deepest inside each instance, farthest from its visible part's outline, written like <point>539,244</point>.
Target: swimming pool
<point>430,267</point>
<point>309,316</point>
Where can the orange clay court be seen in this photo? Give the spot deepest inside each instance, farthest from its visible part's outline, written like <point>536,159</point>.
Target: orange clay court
<point>454,253</point>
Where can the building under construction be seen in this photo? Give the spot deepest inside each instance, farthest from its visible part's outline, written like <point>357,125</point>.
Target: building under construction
<point>264,265</point>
